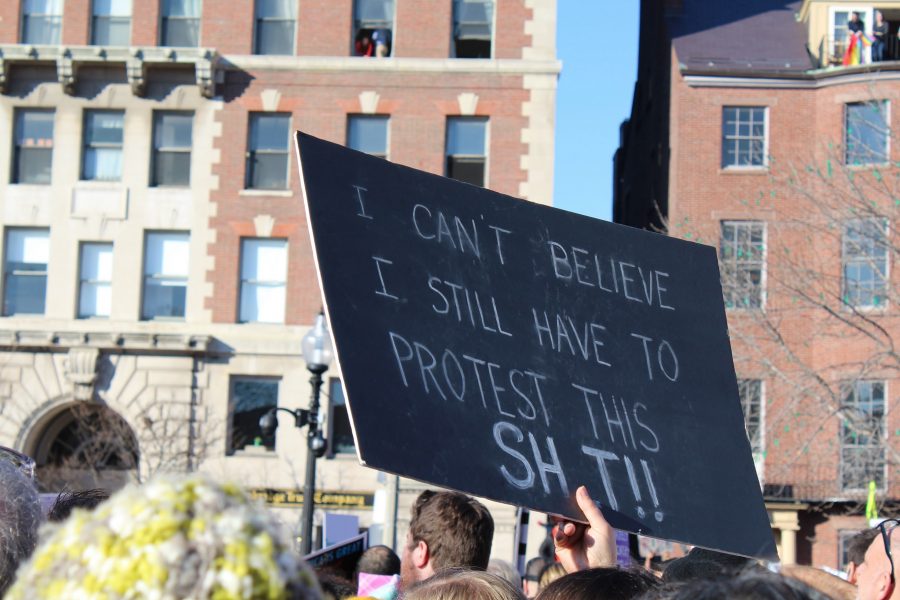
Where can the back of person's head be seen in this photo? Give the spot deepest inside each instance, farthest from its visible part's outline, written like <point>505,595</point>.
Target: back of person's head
<point>532,576</point>
<point>457,529</point>
<point>66,502</point>
<point>600,584</point>
<point>504,569</point>
<point>859,543</point>
<point>463,584</point>
<point>551,573</point>
<point>335,587</point>
<point>701,563</point>
<point>20,516</point>
<point>378,560</point>
<point>749,585</point>
<point>173,537</point>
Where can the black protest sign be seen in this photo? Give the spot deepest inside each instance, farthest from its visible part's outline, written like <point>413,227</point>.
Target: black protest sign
<point>515,351</point>
<point>339,558</point>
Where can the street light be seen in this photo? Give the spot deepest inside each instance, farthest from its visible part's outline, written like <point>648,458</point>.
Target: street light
<point>317,353</point>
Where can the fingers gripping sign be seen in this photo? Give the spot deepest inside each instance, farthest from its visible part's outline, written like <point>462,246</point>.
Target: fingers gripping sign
<point>579,546</point>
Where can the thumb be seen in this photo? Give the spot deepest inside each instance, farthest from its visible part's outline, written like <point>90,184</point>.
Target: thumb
<point>590,510</point>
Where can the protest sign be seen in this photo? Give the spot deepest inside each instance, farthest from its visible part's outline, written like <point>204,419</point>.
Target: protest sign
<point>515,351</point>
<point>340,558</point>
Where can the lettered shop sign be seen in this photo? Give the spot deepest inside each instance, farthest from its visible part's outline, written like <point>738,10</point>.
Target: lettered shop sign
<point>516,351</point>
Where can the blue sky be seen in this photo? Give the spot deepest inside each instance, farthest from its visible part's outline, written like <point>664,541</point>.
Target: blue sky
<point>597,42</point>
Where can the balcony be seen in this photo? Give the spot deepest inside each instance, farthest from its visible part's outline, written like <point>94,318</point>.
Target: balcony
<point>135,61</point>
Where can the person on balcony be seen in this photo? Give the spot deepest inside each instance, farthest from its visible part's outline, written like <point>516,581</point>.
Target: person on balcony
<point>855,41</point>
<point>880,35</point>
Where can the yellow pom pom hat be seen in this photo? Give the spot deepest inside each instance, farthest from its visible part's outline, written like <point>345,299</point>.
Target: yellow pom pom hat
<point>171,538</point>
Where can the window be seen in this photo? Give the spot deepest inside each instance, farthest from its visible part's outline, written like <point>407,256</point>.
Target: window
<point>472,28</point>
<point>251,398</point>
<point>862,435</point>
<point>103,145</point>
<point>373,22</point>
<point>166,262</point>
<point>41,21</point>
<point>867,133</point>
<point>743,136</point>
<point>838,33</point>
<point>368,134</point>
<point>845,538</point>
<point>25,271</point>
<point>864,263</point>
<point>263,279</point>
<point>180,23</point>
<point>275,21</point>
<point>111,25</point>
<point>742,254</point>
<point>33,151</point>
<point>95,280</point>
<point>172,148</point>
<point>751,401</point>
<point>340,433</point>
<point>465,149</point>
<point>267,156</point>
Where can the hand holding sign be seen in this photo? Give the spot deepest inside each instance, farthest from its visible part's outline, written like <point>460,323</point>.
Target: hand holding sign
<point>580,546</point>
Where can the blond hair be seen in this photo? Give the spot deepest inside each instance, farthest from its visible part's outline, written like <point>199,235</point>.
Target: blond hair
<point>463,584</point>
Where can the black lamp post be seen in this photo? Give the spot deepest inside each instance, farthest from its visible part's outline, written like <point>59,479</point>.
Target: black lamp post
<point>317,353</point>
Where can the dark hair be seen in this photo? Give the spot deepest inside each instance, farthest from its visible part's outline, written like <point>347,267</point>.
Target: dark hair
<point>457,529</point>
<point>534,567</point>
<point>603,583</point>
<point>749,585</point>
<point>701,563</point>
<point>463,584</point>
<point>378,560</point>
<point>334,586</point>
<point>66,502</point>
<point>859,543</point>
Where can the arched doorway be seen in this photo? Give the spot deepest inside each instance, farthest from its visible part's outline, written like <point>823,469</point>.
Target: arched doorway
<point>84,446</point>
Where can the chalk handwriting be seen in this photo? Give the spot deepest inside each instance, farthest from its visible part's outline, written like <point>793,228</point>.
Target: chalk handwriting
<point>383,291</point>
<point>362,205</point>
<point>455,233</point>
<point>455,299</point>
<point>666,359</point>
<point>551,466</point>
<point>634,282</point>
<point>587,336</point>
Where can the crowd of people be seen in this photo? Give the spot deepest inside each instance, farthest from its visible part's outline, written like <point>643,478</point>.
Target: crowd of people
<point>186,537</point>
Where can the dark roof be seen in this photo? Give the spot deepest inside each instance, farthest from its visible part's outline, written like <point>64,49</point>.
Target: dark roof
<point>739,35</point>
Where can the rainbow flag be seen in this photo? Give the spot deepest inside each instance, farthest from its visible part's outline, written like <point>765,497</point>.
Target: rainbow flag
<point>853,55</point>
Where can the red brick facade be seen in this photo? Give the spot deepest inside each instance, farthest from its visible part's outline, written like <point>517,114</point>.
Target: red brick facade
<point>792,196</point>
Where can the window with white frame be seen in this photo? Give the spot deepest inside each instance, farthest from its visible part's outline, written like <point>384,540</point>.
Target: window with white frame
<point>263,280</point>
<point>180,23</point>
<point>251,398</point>
<point>742,256</point>
<point>103,145</point>
<point>866,133</point>
<point>111,23</point>
<point>340,433</point>
<point>373,27</point>
<point>41,21</point>
<point>268,151</point>
<point>864,259</point>
<point>172,138</point>
<point>750,391</point>
<point>33,146</point>
<point>166,264</point>
<point>368,133</point>
<point>275,26</point>
<point>26,256</point>
<point>862,435</point>
<point>473,24</point>
<point>95,280</point>
<point>744,136</point>
<point>466,149</point>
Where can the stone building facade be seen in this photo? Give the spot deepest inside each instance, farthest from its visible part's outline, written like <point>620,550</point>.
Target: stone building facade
<point>158,275</point>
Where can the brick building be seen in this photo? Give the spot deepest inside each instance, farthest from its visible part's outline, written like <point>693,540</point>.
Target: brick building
<point>749,133</point>
<point>157,272</point>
